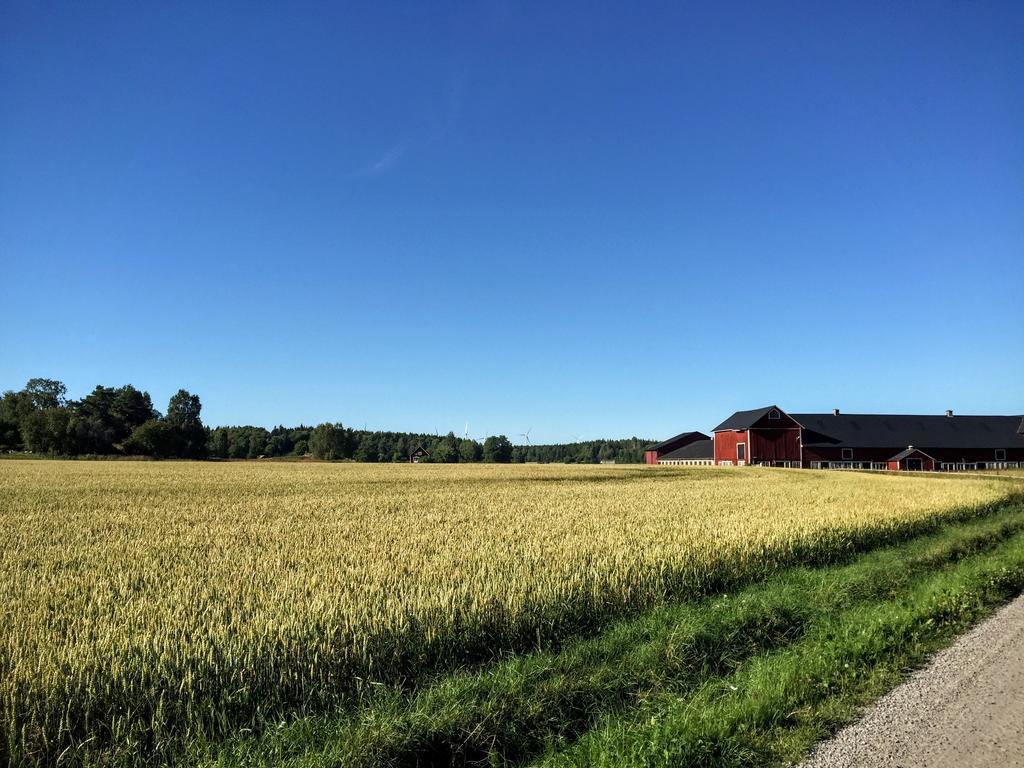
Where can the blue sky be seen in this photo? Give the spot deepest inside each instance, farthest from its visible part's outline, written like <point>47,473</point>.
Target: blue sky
<point>596,219</point>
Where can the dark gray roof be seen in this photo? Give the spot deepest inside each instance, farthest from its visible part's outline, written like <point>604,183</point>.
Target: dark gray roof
<point>891,431</point>
<point>746,419</point>
<point>681,436</point>
<point>910,451</point>
<point>702,449</point>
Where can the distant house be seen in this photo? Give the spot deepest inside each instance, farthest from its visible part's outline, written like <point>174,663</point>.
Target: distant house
<point>655,452</point>
<point>418,454</point>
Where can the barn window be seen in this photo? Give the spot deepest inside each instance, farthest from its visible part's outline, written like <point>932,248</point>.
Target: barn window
<point>847,453</point>
<point>741,451</point>
<point>774,414</point>
<point>1000,454</point>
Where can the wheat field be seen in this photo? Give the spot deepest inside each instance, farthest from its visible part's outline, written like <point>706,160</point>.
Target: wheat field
<point>148,604</point>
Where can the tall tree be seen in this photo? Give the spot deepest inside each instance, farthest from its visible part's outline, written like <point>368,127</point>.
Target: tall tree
<point>107,416</point>
<point>133,408</point>
<point>12,409</point>
<point>470,451</point>
<point>446,450</point>
<point>49,430</point>
<point>25,413</point>
<point>257,443</point>
<point>218,443</point>
<point>367,449</point>
<point>46,393</point>
<point>328,441</point>
<point>157,438</point>
<point>183,414</point>
<point>498,449</point>
<point>238,442</point>
<point>10,435</point>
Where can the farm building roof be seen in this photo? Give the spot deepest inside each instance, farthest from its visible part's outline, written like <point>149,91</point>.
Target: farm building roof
<point>868,430</point>
<point>682,436</point>
<point>745,419</point>
<point>886,431</point>
<point>702,449</point>
<point>910,451</point>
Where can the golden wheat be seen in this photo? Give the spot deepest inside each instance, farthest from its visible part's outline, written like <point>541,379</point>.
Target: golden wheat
<point>146,603</point>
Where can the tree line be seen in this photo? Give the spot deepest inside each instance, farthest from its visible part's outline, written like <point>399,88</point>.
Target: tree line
<point>41,419</point>
<point>122,421</point>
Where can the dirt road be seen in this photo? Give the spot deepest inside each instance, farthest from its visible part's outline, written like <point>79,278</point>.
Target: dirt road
<point>965,709</point>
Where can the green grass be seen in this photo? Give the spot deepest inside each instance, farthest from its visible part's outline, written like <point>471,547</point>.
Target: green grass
<point>772,710</point>
<point>749,678</point>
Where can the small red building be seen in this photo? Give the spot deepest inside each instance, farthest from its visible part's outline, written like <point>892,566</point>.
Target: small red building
<point>913,460</point>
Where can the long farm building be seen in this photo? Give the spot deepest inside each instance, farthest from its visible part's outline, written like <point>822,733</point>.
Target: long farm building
<point>772,437</point>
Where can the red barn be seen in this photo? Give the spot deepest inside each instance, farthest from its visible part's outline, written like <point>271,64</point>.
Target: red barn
<point>762,436</point>
<point>770,436</point>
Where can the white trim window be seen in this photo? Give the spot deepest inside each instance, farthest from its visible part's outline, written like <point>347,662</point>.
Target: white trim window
<point>774,414</point>
<point>741,452</point>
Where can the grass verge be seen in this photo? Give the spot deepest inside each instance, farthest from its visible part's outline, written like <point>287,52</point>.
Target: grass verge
<point>754,677</point>
<point>773,709</point>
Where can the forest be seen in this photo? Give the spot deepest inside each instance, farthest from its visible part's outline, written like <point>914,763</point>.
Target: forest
<point>121,421</point>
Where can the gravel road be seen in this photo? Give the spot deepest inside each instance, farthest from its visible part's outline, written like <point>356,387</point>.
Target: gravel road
<point>966,708</point>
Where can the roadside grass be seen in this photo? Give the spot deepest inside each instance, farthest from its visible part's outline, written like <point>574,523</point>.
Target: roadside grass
<point>773,709</point>
<point>748,678</point>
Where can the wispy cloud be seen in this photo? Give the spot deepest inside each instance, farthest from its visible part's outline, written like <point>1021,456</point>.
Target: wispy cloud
<point>385,162</point>
<point>428,132</point>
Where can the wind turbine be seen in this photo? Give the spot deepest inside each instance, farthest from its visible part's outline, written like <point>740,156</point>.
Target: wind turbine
<point>526,435</point>
<point>465,433</point>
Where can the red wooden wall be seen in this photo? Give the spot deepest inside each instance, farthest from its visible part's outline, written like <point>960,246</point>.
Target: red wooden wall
<point>725,446</point>
<point>774,445</point>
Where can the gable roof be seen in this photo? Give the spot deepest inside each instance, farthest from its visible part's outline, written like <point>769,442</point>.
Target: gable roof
<point>702,449</point>
<point>688,437</point>
<point>747,419</point>
<point>889,431</point>
<point>910,451</point>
